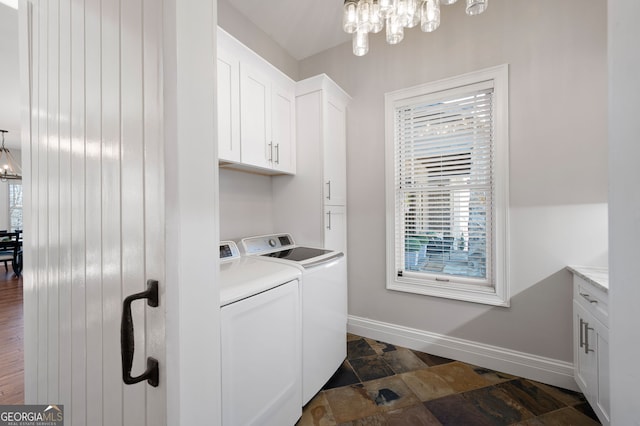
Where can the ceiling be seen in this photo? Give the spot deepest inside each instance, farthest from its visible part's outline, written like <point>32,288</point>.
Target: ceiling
<point>302,27</point>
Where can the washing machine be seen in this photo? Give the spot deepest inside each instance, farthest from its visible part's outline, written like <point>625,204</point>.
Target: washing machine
<point>260,340</point>
<point>324,303</point>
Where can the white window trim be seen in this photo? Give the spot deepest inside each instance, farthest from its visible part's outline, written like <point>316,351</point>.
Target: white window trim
<point>498,294</point>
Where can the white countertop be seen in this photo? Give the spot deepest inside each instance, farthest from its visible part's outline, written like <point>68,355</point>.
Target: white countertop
<point>596,275</point>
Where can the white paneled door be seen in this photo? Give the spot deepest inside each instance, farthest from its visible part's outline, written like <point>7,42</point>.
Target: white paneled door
<point>94,190</point>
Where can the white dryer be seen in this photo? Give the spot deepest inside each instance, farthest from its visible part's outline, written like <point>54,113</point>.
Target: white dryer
<point>324,304</point>
<point>260,340</point>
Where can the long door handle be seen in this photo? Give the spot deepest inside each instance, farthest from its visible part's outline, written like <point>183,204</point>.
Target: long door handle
<point>127,345</point>
<point>586,338</point>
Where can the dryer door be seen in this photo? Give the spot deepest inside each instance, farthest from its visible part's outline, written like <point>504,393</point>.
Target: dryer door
<point>261,359</point>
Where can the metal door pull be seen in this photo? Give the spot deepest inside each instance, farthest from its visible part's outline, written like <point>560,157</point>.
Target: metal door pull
<point>586,338</point>
<point>127,344</point>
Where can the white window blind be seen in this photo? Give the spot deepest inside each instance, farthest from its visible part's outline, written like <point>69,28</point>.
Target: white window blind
<point>444,185</point>
<point>447,192</point>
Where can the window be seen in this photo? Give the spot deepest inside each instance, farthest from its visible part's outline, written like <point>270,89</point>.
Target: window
<point>15,206</point>
<point>447,191</point>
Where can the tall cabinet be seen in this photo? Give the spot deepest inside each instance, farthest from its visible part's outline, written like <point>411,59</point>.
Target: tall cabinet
<point>312,206</point>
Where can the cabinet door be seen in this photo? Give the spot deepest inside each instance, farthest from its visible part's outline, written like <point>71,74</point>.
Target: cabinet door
<point>584,363</point>
<point>335,155</point>
<point>283,129</point>
<point>335,228</point>
<point>255,117</point>
<point>599,338</point>
<point>591,360</point>
<point>228,106</point>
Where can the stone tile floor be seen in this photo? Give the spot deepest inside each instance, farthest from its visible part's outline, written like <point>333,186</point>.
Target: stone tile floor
<point>382,384</point>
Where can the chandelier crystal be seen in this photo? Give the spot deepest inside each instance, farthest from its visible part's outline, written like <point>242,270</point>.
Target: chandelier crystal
<point>362,17</point>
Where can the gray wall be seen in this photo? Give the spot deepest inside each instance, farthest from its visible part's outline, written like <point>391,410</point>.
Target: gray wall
<point>245,205</point>
<point>9,76</point>
<point>255,39</point>
<point>557,56</point>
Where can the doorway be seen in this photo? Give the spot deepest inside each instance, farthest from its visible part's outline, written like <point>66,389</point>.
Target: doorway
<point>11,296</point>
<point>192,363</point>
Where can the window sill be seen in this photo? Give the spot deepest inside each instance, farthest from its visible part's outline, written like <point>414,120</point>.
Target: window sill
<point>475,294</point>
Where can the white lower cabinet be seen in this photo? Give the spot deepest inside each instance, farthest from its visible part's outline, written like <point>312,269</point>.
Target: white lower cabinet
<point>262,359</point>
<point>335,228</point>
<point>591,347</point>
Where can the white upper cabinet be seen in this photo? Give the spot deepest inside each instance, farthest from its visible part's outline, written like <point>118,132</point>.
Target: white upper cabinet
<point>228,106</point>
<point>255,117</point>
<point>262,136</point>
<point>283,129</point>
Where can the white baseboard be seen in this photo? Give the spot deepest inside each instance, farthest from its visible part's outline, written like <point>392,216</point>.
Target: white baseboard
<point>545,370</point>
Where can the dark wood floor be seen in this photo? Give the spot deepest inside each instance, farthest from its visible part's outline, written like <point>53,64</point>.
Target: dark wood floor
<point>11,339</point>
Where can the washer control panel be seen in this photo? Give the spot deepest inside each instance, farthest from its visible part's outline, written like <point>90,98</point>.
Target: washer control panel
<point>266,243</point>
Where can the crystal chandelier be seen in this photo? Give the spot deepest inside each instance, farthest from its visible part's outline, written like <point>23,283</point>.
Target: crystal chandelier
<point>362,17</point>
<point>9,167</point>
